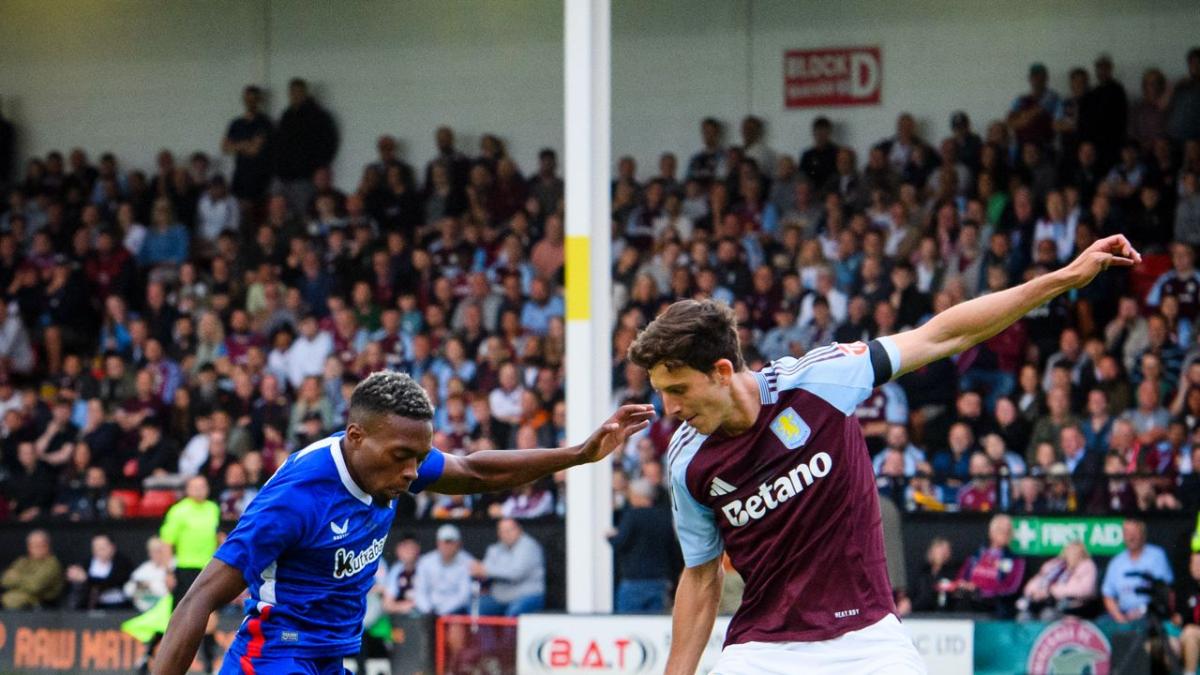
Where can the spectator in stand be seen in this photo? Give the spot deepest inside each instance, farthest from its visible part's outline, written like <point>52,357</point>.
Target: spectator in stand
<point>398,589</point>
<point>457,164</point>
<point>100,585</point>
<point>248,139</point>
<point>819,160</point>
<point>990,580</point>
<point>166,241</point>
<point>968,144</point>
<point>980,494</point>
<point>899,149</point>
<point>1184,111</point>
<point>897,439</point>
<point>952,466</point>
<point>515,570</point>
<point>533,500</point>
<point>1103,113</point>
<point>1085,465</point>
<point>16,351</point>
<point>35,579</point>
<point>1148,115</point>
<point>1031,114</point>
<point>237,493</point>
<point>785,338</point>
<point>31,486</point>
<point>442,581</point>
<point>929,588</point>
<point>709,162</point>
<point>1149,419</point>
<point>1182,281</point>
<point>1065,583</point>
<point>1126,607</point>
<point>149,581</point>
<point>307,140</point>
<point>541,308</point>
<point>87,501</point>
<point>645,565</point>
<point>1049,426</point>
<point>216,213</point>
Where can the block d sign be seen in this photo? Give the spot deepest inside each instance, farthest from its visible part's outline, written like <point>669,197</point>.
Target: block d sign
<point>842,76</point>
<point>1047,536</point>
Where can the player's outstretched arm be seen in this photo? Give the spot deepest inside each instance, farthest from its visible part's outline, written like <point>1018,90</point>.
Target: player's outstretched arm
<point>966,325</point>
<point>696,604</point>
<point>490,470</point>
<point>217,586</point>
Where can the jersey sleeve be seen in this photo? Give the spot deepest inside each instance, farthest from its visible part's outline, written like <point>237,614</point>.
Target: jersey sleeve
<point>274,521</point>
<point>429,471</point>
<point>841,374</point>
<point>695,526</point>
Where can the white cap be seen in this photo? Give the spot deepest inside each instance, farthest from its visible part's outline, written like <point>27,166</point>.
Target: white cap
<point>448,533</point>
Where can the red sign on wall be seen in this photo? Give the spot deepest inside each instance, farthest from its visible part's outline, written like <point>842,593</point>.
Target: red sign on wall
<point>840,76</point>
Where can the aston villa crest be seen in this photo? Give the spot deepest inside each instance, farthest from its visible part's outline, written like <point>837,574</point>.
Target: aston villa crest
<point>792,431</point>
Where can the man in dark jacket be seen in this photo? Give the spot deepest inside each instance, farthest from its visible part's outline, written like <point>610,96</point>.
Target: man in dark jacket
<point>307,140</point>
<point>644,563</point>
<point>1103,114</point>
<point>99,585</point>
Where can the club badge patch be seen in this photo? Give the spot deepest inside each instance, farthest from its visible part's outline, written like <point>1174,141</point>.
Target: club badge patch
<point>792,431</point>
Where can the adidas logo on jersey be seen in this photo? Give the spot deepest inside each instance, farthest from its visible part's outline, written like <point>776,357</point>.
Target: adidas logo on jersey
<point>719,488</point>
<point>772,494</point>
<point>340,531</point>
<point>348,563</point>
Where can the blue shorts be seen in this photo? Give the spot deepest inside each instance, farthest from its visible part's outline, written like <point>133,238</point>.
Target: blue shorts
<point>237,663</point>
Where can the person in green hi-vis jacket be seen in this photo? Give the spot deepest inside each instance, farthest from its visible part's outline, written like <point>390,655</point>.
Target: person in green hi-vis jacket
<point>190,527</point>
<point>1196,536</point>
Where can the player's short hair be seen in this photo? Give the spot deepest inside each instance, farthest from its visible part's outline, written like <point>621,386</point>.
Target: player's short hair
<point>390,393</point>
<point>692,333</point>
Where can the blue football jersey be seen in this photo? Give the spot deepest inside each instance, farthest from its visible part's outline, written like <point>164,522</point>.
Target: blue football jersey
<point>308,546</point>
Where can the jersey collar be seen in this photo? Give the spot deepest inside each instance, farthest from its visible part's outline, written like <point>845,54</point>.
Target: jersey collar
<point>766,386</point>
<point>339,460</point>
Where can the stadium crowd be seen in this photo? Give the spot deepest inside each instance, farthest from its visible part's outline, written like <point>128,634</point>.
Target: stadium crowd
<point>163,324</point>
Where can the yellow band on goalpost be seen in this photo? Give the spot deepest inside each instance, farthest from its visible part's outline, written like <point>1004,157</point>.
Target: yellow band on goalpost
<point>579,278</point>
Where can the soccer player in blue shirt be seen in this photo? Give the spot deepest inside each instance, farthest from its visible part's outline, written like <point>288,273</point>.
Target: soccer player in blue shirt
<point>308,545</point>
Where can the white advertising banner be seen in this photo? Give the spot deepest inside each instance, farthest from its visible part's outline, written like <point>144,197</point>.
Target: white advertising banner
<point>947,645</point>
<point>558,643</point>
<point>565,644</point>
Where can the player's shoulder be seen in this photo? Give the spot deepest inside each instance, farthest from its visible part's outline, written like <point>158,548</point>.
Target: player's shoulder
<point>312,464</point>
<point>830,362</point>
<point>829,352</point>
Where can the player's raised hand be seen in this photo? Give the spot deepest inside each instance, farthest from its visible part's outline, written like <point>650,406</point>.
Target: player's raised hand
<point>1102,254</point>
<point>625,422</point>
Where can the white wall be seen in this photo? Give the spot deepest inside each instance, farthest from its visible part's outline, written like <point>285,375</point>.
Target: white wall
<point>941,56</point>
<point>136,75</point>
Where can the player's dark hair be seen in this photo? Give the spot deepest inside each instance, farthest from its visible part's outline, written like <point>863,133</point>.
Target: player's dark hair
<point>692,333</point>
<point>390,393</point>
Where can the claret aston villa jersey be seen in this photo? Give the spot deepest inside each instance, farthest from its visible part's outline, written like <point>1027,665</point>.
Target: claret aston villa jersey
<point>792,499</point>
<point>308,546</point>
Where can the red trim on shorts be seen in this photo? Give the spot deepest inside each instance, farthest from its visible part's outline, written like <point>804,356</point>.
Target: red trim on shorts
<point>255,646</point>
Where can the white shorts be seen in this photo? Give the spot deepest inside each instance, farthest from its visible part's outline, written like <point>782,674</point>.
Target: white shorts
<point>883,647</point>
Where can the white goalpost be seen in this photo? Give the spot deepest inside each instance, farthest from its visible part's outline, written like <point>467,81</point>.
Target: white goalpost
<point>586,46</point>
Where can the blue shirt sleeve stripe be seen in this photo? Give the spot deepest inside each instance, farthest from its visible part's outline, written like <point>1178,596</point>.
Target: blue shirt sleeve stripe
<point>430,470</point>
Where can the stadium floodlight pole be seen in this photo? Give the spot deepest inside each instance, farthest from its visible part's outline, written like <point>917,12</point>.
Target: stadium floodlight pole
<point>586,47</point>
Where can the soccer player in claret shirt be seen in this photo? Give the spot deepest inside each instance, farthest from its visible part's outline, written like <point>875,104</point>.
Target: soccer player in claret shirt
<point>771,467</point>
<point>308,545</point>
